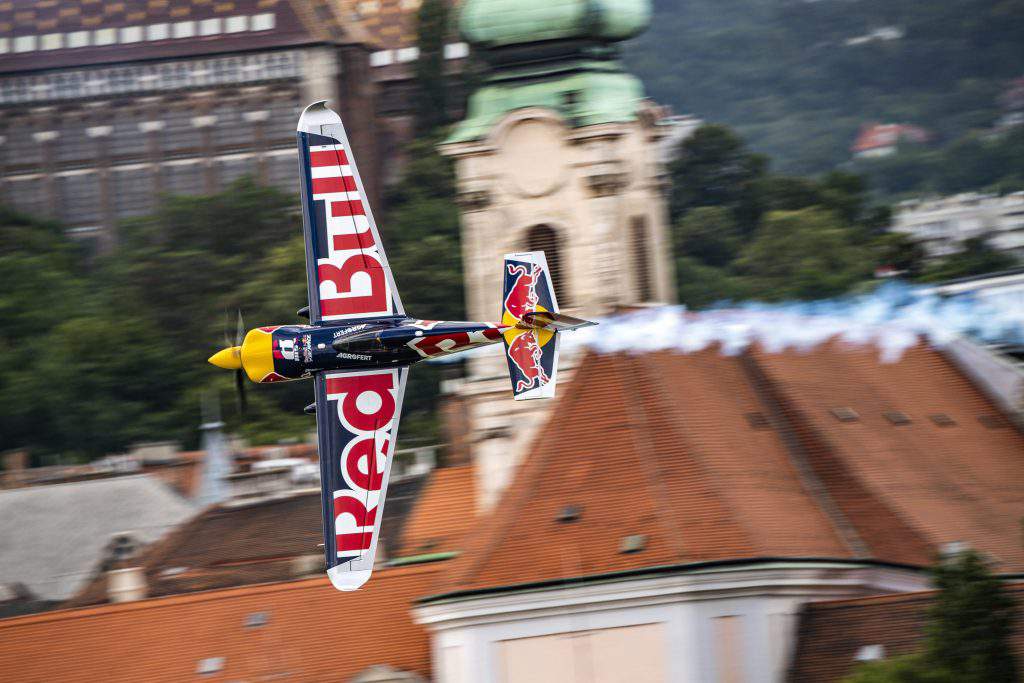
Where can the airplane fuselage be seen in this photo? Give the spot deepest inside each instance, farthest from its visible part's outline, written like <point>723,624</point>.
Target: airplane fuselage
<point>286,352</point>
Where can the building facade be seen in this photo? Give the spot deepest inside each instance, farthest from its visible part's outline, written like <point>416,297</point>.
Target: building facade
<point>943,225</point>
<point>106,106</point>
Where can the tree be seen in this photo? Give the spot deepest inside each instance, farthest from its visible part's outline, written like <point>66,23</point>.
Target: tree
<point>708,234</point>
<point>967,634</point>
<point>714,168</point>
<point>431,105</point>
<point>977,257</point>
<point>807,254</point>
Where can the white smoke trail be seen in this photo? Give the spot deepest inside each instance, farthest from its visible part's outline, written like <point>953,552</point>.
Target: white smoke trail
<point>893,318</point>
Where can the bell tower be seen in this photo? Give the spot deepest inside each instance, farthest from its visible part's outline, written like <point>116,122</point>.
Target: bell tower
<point>559,152</point>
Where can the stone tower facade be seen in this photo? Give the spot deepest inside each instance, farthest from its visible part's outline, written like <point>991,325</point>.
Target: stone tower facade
<point>559,152</point>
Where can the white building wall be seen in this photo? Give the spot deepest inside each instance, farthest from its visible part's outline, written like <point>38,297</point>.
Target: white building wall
<point>942,225</point>
<point>472,636</point>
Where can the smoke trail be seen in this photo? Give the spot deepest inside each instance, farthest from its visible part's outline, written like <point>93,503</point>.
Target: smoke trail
<point>893,317</point>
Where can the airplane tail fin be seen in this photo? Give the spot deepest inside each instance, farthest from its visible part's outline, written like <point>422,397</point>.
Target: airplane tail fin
<point>530,311</point>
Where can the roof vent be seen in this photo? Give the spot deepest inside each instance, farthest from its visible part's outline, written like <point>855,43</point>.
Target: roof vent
<point>897,418</point>
<point>256,619</point>
<point>126,585</point>
<point>172,571</point>
<point>210,665</point>
<point>992,421</point>
<point>953,549</point>
<point>569,513</point>
<point>942,420</point>
<point>757,420</point>
<point>633,543</point>
<point>845,414</point>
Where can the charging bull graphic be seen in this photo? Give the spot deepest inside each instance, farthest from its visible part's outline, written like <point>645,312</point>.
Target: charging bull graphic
<point>359,343</point>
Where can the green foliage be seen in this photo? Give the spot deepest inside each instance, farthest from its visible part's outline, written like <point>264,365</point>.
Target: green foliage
<point>714,168</point>
<point>970,624</point>
<point>805,254</point>
<point>782,74</point>
<point>431,104</point>
<point>976,258</point>
<point>745,232</point>
<point>967,634</point>
<point>971,162</point>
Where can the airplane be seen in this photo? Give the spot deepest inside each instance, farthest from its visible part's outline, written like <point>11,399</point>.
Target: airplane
<point>359,343</point>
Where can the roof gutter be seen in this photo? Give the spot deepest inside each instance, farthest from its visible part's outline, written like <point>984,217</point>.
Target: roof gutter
<point>686,567</point>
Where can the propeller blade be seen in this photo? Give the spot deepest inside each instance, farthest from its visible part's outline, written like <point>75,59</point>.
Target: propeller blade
<point>240,330</point>
<point>240,388</point>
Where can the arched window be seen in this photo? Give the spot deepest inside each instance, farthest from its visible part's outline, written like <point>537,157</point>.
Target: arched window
<point>641,259</point>
<point>544,238</point>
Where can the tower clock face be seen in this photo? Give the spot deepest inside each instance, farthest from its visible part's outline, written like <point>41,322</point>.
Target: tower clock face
<point>535,154</point>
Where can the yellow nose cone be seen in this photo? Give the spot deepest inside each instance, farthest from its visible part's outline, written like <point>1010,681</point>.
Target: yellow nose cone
<point>229,358</point>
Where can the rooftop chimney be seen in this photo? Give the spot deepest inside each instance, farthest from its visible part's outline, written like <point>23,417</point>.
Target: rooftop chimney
<point>126,585</point>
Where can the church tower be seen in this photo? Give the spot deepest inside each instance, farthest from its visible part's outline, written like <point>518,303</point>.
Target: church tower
<point>559,152</point>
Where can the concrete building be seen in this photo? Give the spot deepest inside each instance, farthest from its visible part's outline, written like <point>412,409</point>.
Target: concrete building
<point>883,139</point>
<point>559,152</point>
<point>942,225</point>
<point>104,106</point>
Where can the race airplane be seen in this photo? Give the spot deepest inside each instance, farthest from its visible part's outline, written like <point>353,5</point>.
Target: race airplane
<point>359,343</point>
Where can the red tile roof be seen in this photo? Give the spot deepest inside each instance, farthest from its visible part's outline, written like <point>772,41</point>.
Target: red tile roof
<point>720,458</point>
<point>881,135</point>
<point>311,632</point>
<point>831,634</point>
<point>444,513</point>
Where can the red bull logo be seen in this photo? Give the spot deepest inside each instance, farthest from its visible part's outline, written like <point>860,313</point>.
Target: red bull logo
<point>524,351</point>
<point>522,296</point>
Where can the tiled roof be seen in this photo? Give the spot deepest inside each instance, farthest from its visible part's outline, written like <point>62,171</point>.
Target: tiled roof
<point>831,634</point>
<point>235,544</point>
<point>295,22</point>
<point>52,537</point>
<point>388,24</point>
<point>881,135</point>
<point>711,457</point>
<point>300,630</point>
<point>443,514</point>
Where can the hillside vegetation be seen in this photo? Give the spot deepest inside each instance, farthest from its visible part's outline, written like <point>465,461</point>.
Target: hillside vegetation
<point>783,75</point>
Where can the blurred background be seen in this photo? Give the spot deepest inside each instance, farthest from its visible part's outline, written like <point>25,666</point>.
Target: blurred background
<point>792,451</point>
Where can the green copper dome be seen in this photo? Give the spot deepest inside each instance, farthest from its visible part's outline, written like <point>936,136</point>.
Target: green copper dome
<point>500,23</point>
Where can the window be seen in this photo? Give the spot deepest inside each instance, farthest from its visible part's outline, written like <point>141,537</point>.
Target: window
<point>381,58</point>
<point>74,144</point>
<point>131,34</point>
<point>24,43</point>
<point>5,45</point>
<point>233,169</point>
<point>132,191</point>
<point>78,39</point>
<point>52,41</point>
<point>27,196</point>
<point>179,133</point>
<point>544,238</point>
<point>184,179</point>
<point>209,27</point>
<point>641,258</point>
<point>456,50</point>
<point>158,32</point>
<point>184,29</point>
<point>262,22</point>
<point>407,54</point>
<point>78,198</point>
<point>236,24</point>
<point>104,36</point>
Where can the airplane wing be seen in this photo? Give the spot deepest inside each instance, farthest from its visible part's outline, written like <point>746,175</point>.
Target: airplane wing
<point>357,415</point>
<point>347,271</point>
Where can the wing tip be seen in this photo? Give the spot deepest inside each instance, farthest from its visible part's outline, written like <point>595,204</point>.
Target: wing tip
<point>317,115</point>
<point>345,579</point>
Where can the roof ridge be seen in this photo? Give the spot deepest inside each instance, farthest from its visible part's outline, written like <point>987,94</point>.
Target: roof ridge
<point>769,396</point>
<point>794,423</point>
